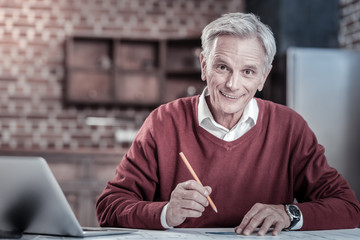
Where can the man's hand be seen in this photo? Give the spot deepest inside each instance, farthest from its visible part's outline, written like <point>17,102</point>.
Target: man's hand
<point>187,200</point>
<point>264,216</point>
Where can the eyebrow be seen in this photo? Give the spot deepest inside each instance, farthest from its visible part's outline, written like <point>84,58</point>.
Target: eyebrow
<point>251,66</point>
<point>221,60</point>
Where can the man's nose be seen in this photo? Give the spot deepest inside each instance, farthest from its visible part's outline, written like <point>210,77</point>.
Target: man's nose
<point>234,82</point>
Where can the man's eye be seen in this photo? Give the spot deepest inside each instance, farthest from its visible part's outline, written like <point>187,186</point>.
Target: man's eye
<point>249,72</point>
<point>223,67</point>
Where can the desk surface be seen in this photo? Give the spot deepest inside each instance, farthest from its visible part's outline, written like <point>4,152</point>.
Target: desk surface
<point>218,233</point>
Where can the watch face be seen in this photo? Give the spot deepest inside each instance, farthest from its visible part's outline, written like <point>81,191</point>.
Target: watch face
<point>294,211</point>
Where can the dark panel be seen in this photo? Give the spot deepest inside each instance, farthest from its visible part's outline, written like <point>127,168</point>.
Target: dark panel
<point>300,23</point>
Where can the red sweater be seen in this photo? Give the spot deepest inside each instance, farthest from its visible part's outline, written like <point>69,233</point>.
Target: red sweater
<point>278,160</point>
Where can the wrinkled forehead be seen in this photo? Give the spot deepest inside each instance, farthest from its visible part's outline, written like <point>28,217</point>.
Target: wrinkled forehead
<point>237,45</point>
<point>251,44</point>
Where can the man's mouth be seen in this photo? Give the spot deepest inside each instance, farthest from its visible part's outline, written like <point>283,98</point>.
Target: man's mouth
<point>228,96</point>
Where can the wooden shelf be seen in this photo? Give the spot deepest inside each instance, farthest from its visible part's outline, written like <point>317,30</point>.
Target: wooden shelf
<point>130,72</point>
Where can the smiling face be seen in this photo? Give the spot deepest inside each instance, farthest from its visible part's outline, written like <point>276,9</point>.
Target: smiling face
<point>234,70</point>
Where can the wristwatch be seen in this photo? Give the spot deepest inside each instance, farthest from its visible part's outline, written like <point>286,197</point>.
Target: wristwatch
<point>294,213</point>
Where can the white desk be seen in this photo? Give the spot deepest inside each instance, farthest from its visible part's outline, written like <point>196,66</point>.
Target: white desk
<point>219,233</point>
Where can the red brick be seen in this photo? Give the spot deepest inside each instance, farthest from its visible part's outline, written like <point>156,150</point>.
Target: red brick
<point>51,52</point>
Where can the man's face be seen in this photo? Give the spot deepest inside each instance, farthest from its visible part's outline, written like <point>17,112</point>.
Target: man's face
<point>234,71</point>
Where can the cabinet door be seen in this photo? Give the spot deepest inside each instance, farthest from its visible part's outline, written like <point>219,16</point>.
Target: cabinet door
<point>137,55</point>
<point>89,86</point>
<point>138,79</point>
<point>91,54</point>
<point>138,88</point>
<point>89,71</point>
<point>183,71</point>
<point>179,87</point>
<point>183,56</point>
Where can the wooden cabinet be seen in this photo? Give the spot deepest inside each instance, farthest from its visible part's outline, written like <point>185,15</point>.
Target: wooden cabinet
<point>183,72</point>
<point>142,72</point>
<point>89,70</point>
<point>139,74</point>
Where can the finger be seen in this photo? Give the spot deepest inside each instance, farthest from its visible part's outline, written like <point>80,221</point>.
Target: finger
<point>267,217</point>
<point>208,189</point>
<point>189,213</point>
<point>187,199</point>
<point>181,194</point>
<point>192,205</point>
<point>247,218</point>
<point>255,221</point>
<point>186,209</point>
<point>192,190</point>
<point>278,228</point>
<point>267,223</point>
<point>176,206</point>
<point>194,185</point>
<point>176,214</point>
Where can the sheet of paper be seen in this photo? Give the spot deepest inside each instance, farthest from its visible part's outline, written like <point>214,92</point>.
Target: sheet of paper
<point>224,233</point>
<point>228,233</point>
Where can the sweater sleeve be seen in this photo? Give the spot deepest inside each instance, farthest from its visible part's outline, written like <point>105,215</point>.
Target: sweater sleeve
<point>128,200</point>
<point>325,198</point>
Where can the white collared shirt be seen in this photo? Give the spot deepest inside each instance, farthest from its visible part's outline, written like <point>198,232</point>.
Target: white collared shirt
<point>207,121</point>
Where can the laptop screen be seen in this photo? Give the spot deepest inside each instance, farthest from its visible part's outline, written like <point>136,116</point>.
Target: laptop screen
<point>32,201</point>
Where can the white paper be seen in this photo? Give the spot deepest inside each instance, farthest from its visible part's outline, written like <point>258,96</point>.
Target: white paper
<point>224,233</point>
<point>228,233</point>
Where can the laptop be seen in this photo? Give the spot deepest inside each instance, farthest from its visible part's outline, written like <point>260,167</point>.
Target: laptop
<point>31,201</point>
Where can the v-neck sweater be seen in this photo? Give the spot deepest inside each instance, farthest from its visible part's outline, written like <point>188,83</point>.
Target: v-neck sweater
<point>277,160</point>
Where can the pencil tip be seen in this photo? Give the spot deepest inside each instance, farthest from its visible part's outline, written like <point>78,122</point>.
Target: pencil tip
<point>215,209</point>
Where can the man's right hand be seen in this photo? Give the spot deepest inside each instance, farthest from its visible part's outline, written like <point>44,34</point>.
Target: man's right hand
<point>188,199</point>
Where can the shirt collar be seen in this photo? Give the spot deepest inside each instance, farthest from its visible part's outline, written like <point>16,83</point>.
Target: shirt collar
<point>251,110</point>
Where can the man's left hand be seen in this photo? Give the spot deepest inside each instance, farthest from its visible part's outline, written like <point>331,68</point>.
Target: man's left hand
<point>264,216</point>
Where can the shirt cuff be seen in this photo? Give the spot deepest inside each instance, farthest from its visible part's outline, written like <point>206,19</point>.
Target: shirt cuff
<point>163,217</point>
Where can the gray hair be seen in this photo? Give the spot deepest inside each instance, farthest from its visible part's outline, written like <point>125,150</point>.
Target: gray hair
<point>244,25</point>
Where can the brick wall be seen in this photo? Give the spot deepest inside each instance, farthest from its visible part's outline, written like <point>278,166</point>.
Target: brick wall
<point>32,37</point>
<point>349,35</point>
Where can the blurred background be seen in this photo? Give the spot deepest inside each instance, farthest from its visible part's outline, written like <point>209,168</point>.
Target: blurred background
<point>78,77</point>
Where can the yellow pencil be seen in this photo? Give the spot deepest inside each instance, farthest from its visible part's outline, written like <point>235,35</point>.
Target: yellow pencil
<point>196,178</point>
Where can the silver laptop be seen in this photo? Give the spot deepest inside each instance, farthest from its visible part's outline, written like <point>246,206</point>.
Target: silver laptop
<point>31,201</point>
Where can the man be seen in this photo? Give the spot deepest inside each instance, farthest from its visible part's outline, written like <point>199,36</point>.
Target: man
<point>253,156</point>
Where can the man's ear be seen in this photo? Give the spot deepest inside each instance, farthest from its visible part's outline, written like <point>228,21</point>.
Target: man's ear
<point>203,66</point>
<point>263,80</point>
